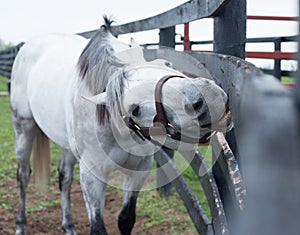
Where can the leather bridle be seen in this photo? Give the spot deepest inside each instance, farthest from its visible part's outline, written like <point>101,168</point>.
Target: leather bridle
<point>161,125</point>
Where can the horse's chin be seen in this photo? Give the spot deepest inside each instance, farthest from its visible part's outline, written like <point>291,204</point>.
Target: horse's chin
<point>224,124</point>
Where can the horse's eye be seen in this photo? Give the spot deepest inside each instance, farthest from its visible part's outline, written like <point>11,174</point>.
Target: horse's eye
<point>136,110</point>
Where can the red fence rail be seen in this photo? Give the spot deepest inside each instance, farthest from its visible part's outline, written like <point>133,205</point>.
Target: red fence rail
<point>277,55</point>
<point>280,18</point>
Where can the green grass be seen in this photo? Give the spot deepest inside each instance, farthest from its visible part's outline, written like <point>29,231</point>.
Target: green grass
<point>8,163</point>
<point>287,80</point>
<point>3,83</point>
<point>159,209</point>
<point>192,179</point>
<point>7,155</point>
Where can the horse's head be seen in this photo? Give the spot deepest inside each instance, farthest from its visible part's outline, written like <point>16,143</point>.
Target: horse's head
<point>198,108</point>
<point>159,103</point>
<point>186,109</point>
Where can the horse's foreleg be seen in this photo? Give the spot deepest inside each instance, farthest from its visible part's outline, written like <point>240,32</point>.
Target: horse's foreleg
<point>65,169</point>
<point>128,215</point>
<point>25,133</point>
<point>94,195</point>
<point>132,185</point>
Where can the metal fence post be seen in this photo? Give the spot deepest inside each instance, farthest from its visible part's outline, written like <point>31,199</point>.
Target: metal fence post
<point>230,29</point>
<point>230,39</point>
<point>272,159</point>
<point>167,37</point>
<point>186,39</point>
<point>298,72</point>
<point>277,62</point>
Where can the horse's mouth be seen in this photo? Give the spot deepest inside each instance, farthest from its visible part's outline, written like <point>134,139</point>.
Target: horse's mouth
<point>224,124</point>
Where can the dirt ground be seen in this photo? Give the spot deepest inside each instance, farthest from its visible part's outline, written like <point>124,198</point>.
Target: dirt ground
<point>48,220</point>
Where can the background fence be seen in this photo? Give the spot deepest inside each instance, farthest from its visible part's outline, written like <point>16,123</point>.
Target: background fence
<point>264,142</point>
<point>7,58</point>
<point>277,55</point>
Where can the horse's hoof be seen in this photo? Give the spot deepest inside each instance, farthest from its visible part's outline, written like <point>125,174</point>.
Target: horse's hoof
<point>70,232</point>
<point>20,231</point>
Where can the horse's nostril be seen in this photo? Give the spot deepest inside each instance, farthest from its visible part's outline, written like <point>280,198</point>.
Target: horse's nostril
<point>198,105</point>
<point>196,108</point>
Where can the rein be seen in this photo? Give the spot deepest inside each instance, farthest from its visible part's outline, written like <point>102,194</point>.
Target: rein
<point>161,125</point>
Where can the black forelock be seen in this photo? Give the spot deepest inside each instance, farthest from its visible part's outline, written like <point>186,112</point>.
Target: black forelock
<point>108,25</point>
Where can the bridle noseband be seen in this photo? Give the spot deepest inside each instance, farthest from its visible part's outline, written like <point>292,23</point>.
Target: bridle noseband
<point>161,125</point>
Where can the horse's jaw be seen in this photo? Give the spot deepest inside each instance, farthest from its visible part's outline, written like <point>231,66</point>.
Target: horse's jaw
<point>129,141</point>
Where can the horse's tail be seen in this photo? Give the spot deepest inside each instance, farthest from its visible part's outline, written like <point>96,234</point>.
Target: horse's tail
<point>41,160</point>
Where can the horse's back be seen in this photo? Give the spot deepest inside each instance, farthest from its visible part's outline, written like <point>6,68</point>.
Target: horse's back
<point>42,72</point>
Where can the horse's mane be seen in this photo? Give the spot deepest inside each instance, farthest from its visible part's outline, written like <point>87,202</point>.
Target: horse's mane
<point>101,71</point>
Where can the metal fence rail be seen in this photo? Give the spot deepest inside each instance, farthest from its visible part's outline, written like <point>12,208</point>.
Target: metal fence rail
<point>189,11</point>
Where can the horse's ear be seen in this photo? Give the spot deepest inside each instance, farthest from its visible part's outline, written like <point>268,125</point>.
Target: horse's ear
<point>99,99</point>
<point>133,43</point>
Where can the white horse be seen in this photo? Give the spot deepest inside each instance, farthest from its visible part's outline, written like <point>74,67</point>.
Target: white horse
<point>56,81</point>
